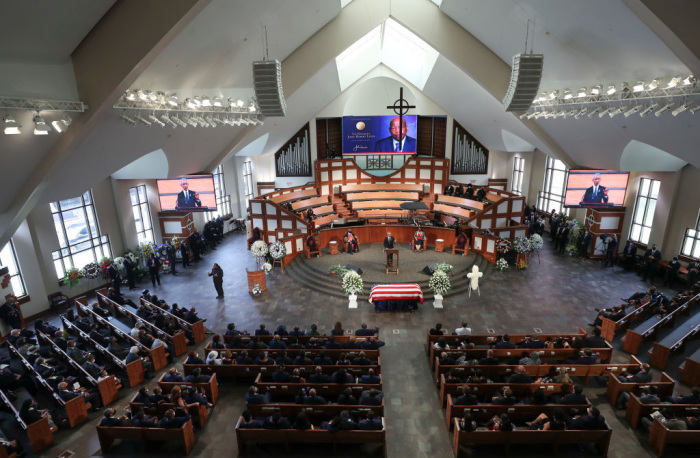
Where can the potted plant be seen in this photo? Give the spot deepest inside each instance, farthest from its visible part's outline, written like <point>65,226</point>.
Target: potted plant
<point>440,284</point>
<point>352,285</point>
<point>445,267</point>
<point>502,265</point>
<point>337,269</point>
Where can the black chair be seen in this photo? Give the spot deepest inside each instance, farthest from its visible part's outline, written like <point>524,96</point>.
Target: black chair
<point>58,300</point>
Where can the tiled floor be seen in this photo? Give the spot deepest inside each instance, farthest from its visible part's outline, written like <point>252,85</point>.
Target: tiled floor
<point>557,294</point>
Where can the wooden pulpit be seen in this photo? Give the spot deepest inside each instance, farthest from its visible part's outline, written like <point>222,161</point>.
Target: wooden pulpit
<point>392,261</point>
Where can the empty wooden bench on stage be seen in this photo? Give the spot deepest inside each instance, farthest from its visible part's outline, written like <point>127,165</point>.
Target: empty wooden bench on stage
<point>397,297</point>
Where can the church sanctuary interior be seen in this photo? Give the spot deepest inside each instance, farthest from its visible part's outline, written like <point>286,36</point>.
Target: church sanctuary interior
<point>384,228</point>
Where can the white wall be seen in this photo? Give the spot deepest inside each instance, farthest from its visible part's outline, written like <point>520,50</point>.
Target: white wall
<point>122,201</point>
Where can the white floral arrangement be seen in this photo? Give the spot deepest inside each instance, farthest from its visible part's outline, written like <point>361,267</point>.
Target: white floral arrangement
<point>352,282</point>
<point>521,245</point>
<point>277,250</point>
<point>445,267</point>
<point>256,290</point>
<point>267,267</point>
<point>575,234</point>
<point>132,257</point>
<point>536,242</point>
<point>440,283</point>
<point>259,249</point>
<point>502,265</point>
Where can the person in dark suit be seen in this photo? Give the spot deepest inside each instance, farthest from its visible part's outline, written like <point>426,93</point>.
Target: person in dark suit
<point>520,376</point>
<point>371,397</point>
<point>586,356</point>
<point>651,262</point>
<point>610,252</point>
<point>217,275</point>
<point>449,190</point>
<point>629,254</point>
<point>114,277</point>
<point>364,331</point>
<point>153,265</point>
<point>469,192</point>
<point>171,421</point>
<point>253,397</point>
<point>596,194</point>
<point>692,398</point>
<point>489,360</point>
<point>10,313</point>
<point>129,270</point>
<point>371,423</point>
<point>389,242</point>
<point>591,420</point>
<point>595,341</point>
<point>185,254</point>
<point>575,398</point>
<point>459,190</point>
<point>186,198</point>
<point>397,141</point>
<point>693,267</point>
<point>318,376</point>
<point>584,245</point>
<point>641,376</point>
<point>672,271</point>
<point>465,398</point>
<point>505,343</point>
<point>370,378</point>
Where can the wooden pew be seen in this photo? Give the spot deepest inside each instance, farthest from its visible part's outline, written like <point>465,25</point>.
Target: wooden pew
<point>382,214</point>
<point>659,436</point>
<point>296,195</point>
<point>198,413</point>
<point>107,387</point>
<point>610,327</point>
<point>248,371</point>
<point>323,220</point>
<point>313,412</point>
<point>39,432</point>
<point>489,339</point>
<point>458,212</point>
<point>517,413</point>
<point>211,388</point>
<point>303,204</point>
<point>197,328</point>
<point>484,391</point>
<point>636,410</point>
<point>469,204</point>
<point>350,188</point>
<point>134,370</point>
<point>603,355</point>
<point>601,438</point>
<point>674,341</point>
<point>616,387</point>
<point>377,205</point>
<point>378,195</point>
<point>291,436</point>
<point>76,409</point>
<point>650,327</point>
<point>333,354</point>
<point>342,340</point>
<point>108,434</point>
<point>324,210</point>
<point>690,369</point>
<point>491,197</point>
<point>179,340</point>
<point>327,390</point>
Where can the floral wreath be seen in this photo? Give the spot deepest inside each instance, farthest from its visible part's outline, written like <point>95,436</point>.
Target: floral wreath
<point>267,267</point>
<point>91,270</point>
<point>277,250</point>
<point>536,242</point>
<point>162,250</point>
<point>259,249</point>
<point>503,245</point>
<point>521,245</point>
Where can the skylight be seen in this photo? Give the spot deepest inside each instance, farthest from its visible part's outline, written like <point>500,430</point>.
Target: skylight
<point>344,3</point>
<point>393,45</point>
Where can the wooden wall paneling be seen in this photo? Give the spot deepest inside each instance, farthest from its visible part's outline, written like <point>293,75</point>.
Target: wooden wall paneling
<point>601,221</point>
<point>176,223</point>
<point>377,233</point>
<point>265,187</point>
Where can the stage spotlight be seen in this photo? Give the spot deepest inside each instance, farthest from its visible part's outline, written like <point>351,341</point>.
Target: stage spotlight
<point>648,109</point>
<point>40,126</point>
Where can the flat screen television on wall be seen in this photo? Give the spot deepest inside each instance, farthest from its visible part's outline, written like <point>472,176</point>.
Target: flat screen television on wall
<point>188,193</point>
<point>379,135</point>
<point>596,188</point>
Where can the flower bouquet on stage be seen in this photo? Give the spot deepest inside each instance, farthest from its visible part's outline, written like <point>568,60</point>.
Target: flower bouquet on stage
<point>257,277</point>
<point>352,286</point>
<point>440,284</point>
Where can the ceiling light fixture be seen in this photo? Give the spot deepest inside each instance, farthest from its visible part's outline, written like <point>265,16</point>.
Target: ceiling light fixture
<point>664,109</point>
<point>179,121</point>
<point>604,112</point>
<point>582,92</point>
<point>166,119</point>
<point>611,89</point>
<point>206,101</point>
<point>40,126</point>
<point>156,120</point>
<point>128,120</point>
<point>654,84</point>
<point>694,109</point>
<point>688,80</point>
<point>596,90</point>
<point>11,126</point>
<point>593,113</point>
<point>633,110</point>
<point>581,113</point>
<point>172,100</point>
<point>567,94</point>
<point>639,87</point>
<point>61,125</point>
<point>617,111</point>
<point>680,109</point>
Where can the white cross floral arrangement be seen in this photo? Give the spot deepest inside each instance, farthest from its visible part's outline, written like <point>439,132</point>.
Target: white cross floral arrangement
<point>445,267</point>
<point>536,242</point>
<point>502,265</point>
<point>440,283</point>
<point>267,267</point>
<point>352,282</point>
<point>503,245</point>
<point>277,250</point>
<point>521,245</point>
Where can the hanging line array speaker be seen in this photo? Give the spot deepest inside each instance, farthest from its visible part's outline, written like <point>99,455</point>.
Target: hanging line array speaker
<point>267,79</point>
<point>525,80</point>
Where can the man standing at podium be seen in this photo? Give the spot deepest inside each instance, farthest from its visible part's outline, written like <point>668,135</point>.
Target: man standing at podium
<point>388,242</point>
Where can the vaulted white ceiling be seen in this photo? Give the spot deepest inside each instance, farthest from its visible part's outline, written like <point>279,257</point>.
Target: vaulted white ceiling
<point>585,42</point>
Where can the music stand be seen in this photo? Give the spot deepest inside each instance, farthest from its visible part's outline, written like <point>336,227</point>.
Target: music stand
<point>392,261</point>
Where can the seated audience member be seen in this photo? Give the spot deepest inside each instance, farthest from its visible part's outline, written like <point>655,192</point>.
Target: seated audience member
<point>311,397</point>
<point>322,359</point>
<point>301,422</point>
<point>343,360</point>
<point>464,330</point>
<point>193,358</point>
<point>318,376</point>
<point>370,378</point>
<point>342,422</point>
<point>331,344</point>
<point>313,331</point>
<point>139,420</point>
<point>361,360</point>
<point>303,359</point>
<point>614,314</point>
<point>296,377</point>
<point>371,423</point>
<point>668,419</point>
<point>173,376</point>
<point>92,398</point>
<point>249,422</point>
<point>216,343</point>
<point>169,420</point>
<point>280,375</point>
<point>371,397</point>
<point>591,420</point>
<point>519,376</point>
<point>586,356</point>
<point>505,343</point>
<point>641,376</point>
<point>232,331</point>
<point>501,423</point>
<point>556,422</point>
<point>261,331</point>
<point>465,397</point>
<point>346,398</point>
<point>197,377</point>
<point>119,299</point>
<point>467,423</point>
<point>441,344</point>
<point>158,396</point>
<point>537,398</point>
<point>364,331</point>
<point>528,342</point>
<point>143,397</point>
<point>437,330</point>
<point>533,359</point>
<point>277,343</point>
<point>296,332</point>
<point>254,397</point>
<point>692,398</point>
<point>504,397</point>
<point>489,359</point>
<point>145,362</point>
<point>595,341</point>
<point>213,358</point>
<point>341,376</point>
<point>109,419</point>
<point>577,397</point>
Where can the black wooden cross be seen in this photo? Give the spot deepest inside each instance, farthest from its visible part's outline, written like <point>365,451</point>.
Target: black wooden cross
<point>400,107</point>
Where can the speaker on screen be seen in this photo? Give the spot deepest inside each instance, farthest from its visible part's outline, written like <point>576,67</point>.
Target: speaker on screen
<point>525,78</point>
<point>267,79</point>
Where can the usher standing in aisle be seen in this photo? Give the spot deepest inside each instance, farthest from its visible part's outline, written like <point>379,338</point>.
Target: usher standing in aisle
<point>218,276</point>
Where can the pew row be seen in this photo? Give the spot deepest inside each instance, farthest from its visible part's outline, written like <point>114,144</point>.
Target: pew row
<point>660,436</point>
<point>636,410</point>
<point>39,432</point>
<point>489,339</point>
<point>211,388</point>
<point>616,387</point>
<point>108,434</point>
